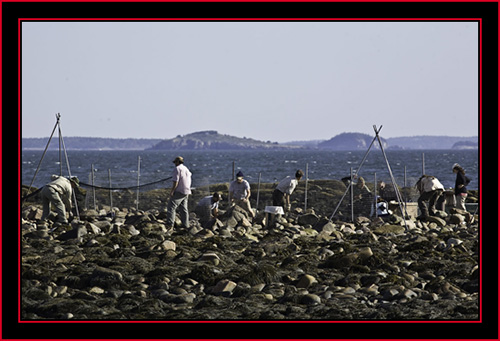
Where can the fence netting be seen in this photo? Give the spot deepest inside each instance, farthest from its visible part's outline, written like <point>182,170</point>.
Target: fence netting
<point>98,192</point>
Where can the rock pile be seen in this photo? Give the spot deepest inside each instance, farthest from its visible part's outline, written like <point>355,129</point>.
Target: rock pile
<point>124,264</point>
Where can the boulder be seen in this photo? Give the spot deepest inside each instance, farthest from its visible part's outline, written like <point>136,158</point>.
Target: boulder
<point>308,219</point>
<point>76,233</point>
<point>385,229</point>
<point>224,287</point>
<point>306,281</point>
<point>439,221</point>
<point>210,257</point>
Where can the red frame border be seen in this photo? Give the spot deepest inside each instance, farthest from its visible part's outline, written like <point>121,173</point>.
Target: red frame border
<point>479,20</point>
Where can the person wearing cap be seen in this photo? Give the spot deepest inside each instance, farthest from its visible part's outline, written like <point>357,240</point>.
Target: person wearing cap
<point>430,189</point>
<point>285,188</point>
<point>179,194</point>
<point>239,193</point>
<point>460,190</point>
<point>208,209</point>
<point>58,192</point>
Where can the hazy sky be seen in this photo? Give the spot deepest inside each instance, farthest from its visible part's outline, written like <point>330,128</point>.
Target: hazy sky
<point>277,81</point>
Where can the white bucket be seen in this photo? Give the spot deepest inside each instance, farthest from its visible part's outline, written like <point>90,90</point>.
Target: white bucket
<point>271,212</point>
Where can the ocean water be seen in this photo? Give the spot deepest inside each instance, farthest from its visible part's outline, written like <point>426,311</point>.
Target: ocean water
<point>210,167</point>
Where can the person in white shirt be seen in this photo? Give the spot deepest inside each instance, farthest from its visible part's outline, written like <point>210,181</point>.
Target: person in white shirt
<point>430,190</point>
<point>181,189</point>
<point>239,193</point>
<point>285,188</point>
<point>58,192</point>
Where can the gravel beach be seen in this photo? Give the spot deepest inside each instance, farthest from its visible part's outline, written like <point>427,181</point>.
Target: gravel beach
<point>122,264</point>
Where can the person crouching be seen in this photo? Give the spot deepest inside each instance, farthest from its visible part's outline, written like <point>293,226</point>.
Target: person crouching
<point>430,190</point>
<point>58,192</point>
<point>285,188</point>
<point>208,209</point>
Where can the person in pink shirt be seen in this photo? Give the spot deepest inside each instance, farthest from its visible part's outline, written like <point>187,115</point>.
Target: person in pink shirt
<point>179,194</point>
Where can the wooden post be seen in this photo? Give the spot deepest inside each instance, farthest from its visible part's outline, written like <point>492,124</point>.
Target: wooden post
<point>352,199</point>
<point>258,194</point>
<point>110,191</point>
<point>423,164</point>
<point>405,190</point>
<point>375,194</point>
<point>138,181</point>
<point>307,179</point>
<point>93,185</point>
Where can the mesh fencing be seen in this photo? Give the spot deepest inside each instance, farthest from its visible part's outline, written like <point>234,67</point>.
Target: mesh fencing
<point>322,196</point>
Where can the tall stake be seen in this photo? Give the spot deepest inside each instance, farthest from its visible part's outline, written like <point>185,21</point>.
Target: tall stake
<point>393,180</point>
<point>93,185</point>
<point>58,116</point>
<point>352,199</point>
<point>406,191</point>
<point>110,191</point>
<point>375,193</point>
<point>138,182</point>
<point>307,179</point>
<point>357,171</point>
<point>258,194</point>
<point>69,170</point>
<point>423,163</point>
<point>60,151</point>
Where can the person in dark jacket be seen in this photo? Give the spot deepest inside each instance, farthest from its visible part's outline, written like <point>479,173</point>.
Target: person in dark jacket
<point>460,186</point>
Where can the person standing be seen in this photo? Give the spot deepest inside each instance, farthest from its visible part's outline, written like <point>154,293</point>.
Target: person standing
<point>239,193</point>
<point>460,190</point>
<point>285,188</point>
<point>430,189</point>
<point>181,189</point>
<point>58,192</point>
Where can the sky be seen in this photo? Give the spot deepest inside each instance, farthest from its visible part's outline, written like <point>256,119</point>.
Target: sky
<point>271,81</point>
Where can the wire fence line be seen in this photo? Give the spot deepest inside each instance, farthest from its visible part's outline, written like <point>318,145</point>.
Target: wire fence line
<point>322,195</point>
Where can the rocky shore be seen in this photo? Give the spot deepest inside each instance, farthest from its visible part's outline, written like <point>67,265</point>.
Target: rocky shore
<point>122,264</point>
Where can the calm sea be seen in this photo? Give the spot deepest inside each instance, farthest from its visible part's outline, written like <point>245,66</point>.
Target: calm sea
<point>210,167</point>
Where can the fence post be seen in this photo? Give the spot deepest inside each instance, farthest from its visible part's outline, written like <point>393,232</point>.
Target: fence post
<point>110,191</point>
<point>138,182</point>
<point>258,194</point>
<point>93,185</point>
<point>375,194</point>
<point>307,179</point>
<point>423,164</point>
<point>352,199</point>
<point>405,189</point>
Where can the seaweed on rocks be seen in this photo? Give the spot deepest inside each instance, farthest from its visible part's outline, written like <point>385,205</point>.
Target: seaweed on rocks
<point>300,267</point>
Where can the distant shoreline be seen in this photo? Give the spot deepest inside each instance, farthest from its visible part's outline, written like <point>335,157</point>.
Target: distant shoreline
<point>234,143</point>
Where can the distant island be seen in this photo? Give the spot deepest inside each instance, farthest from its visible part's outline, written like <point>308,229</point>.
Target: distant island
<point>350,141</point>
<point>431,142</point>
<point>212,140</point>
<point>465,145</point>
